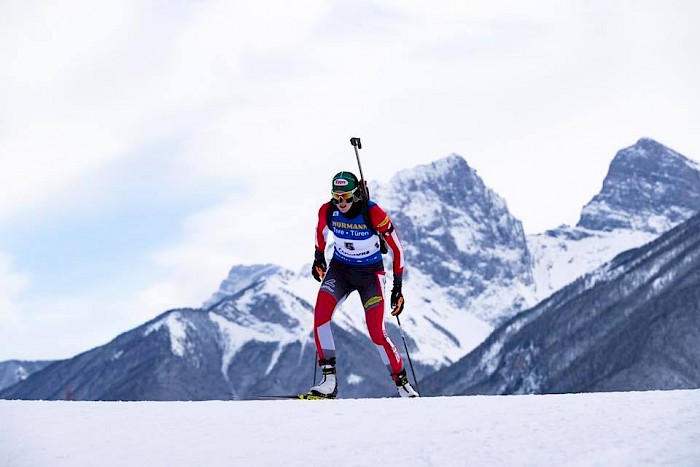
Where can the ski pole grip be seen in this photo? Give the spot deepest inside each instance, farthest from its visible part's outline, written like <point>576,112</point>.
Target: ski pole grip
<point>356,142</point>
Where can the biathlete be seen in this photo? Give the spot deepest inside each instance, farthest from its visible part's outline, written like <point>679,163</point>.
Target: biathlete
<point>357,225</point>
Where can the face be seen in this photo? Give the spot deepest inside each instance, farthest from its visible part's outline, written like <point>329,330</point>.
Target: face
<point>343,201</point>
<point>344,206</point>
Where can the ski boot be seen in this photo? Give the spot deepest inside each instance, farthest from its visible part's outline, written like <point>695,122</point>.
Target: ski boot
<point>328,387</point>
<point>403,386</point>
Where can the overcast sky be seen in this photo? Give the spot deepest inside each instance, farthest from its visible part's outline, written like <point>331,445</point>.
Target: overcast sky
<point>147,147</point>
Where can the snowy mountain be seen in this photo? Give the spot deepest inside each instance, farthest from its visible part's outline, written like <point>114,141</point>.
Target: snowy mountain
<point>254,334</point>
<point>468,258</point>
<point>14,371</point>
<point>255,341</point>
<point>169,358</point>
<point>633,324</point>
<point>649,189</point>
<point>460,235</point>
<point>469,269</point>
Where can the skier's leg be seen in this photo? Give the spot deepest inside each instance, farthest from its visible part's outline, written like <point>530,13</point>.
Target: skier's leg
<point>372,295</point>
<point>374,314</point>
<point>326,304</point>
<point>331,294</point>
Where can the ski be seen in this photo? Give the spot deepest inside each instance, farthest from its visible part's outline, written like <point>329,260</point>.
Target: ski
<point>306,397</point>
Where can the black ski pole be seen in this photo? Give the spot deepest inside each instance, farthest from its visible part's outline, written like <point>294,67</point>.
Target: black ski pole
<point>357,144</point>
<point>408,356</point>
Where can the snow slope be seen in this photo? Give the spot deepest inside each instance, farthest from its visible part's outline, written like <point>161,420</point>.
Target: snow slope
<point>562,255</point>
<point>616,429</point>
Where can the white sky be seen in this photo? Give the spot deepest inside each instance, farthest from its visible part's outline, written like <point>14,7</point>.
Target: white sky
<point>147,147</point>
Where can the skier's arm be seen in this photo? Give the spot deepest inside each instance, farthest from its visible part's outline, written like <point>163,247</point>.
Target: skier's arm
<point>322,228</point>
<point>319,267</point>
<point>385,227</point>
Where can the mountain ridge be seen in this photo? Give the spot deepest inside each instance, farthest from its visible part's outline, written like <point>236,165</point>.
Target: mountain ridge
<point>14,371</point>
<point>640,199</point>
<point>629,325</point>
<point>471,268</point>
<point>648,187</point>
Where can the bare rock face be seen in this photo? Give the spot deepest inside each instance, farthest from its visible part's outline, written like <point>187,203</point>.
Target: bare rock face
<point>649,187</point>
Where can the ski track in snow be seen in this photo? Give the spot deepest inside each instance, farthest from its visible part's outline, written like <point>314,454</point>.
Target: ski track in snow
<point>615,429</point>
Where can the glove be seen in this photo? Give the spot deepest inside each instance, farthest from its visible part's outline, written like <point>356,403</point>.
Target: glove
<point>396,298</point>
<point>318,270</point>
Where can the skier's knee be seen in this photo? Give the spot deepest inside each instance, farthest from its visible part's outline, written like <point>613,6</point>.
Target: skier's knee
<point>325,304</point>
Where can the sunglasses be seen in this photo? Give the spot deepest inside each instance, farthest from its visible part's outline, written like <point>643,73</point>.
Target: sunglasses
<point>347,196</point>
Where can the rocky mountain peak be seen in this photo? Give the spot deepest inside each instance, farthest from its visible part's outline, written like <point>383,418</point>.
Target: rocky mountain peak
<point>239,278</point>
<point>458,231</point>
<point>450,179</point>
<point>649,187</point>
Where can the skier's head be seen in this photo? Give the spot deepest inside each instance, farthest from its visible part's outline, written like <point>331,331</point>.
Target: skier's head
<point>345,190</point>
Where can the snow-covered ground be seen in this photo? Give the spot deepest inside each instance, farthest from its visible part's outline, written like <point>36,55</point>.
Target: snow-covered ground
<point>615,429</point>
